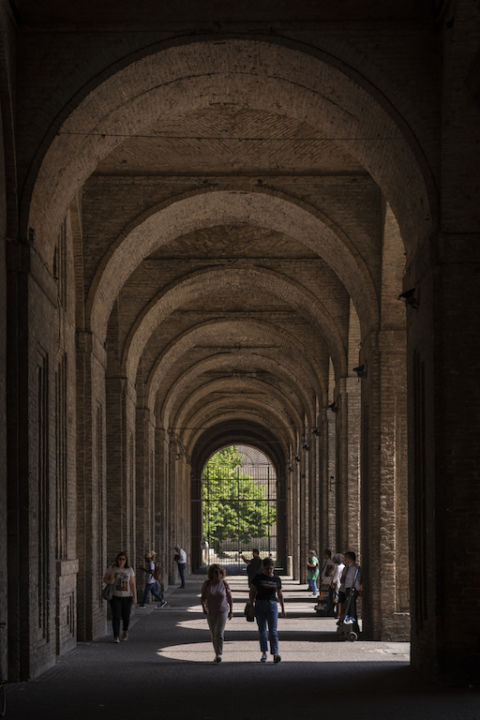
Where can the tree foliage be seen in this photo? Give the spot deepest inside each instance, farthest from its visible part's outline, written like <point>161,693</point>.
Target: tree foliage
<point>234,506</point>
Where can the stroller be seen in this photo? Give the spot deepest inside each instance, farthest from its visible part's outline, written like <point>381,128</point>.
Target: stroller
<point>349,628</point>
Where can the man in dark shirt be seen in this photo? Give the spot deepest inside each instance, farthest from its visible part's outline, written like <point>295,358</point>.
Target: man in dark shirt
<point>254,566</point>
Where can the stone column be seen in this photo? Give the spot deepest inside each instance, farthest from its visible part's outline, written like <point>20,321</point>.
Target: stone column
<point>331,484</point>
<point>18,262</point>
<point>144,491</point>
<point>90,516</point>
<point>444,407</point>
<point>303,514</point>
<point>173,493</point>
<point>384,489</point>
<point>352,500</point>
<point>162,499</point>
<point>341,463</point>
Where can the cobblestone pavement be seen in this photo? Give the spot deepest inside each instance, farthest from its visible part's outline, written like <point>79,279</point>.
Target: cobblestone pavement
<point>165,671</point>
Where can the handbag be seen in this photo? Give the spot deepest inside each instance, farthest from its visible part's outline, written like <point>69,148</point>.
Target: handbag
<point>246,612</point>
<point>107,592</point>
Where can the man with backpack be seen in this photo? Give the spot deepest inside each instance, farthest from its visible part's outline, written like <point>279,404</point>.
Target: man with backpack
<point>152,580</point>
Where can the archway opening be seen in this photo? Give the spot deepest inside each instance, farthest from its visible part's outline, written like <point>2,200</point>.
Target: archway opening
<point>239,507</point>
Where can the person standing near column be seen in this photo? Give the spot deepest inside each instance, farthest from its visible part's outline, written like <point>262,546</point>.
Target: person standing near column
<point>181,560</point>
<point>312,571</point>
<point>265,594</point>
<point>217,605</point>
<point>122,577</point>
<point>254,566</point>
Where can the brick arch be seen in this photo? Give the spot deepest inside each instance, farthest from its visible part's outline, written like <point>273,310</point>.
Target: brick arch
<point>217,415</point>
<point>210,209</point>
<point>264,75</point>
<point>202,210</point>
<point>278,403</point>
<point>243,430</point>
<point>197,283</point>
<point>304,373</point>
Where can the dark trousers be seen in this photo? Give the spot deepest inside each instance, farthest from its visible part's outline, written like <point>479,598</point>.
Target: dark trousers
<point>181,570</point>
<point>121,608</point>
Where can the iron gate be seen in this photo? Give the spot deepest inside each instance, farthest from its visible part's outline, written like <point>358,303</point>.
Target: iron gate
<point>239,512</point>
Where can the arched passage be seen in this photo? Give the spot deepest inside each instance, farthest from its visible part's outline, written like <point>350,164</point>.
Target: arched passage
<point>265,478</point>
<point>329,97</point>
<point>211,209</point>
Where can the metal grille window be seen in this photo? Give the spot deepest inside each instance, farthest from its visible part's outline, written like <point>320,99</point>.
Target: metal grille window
<point>239,507</point>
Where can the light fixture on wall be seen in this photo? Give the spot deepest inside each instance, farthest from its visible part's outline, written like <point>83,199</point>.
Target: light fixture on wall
<point>361,371</point>
<point>316,431</point>
<point>297,458</point>
<point>333,406</point>
<point>410,298</point>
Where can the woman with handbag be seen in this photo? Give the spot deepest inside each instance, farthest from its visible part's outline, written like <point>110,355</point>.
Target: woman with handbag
<point>217,605</point>
<point>122,578</point>
<point>265,594</point>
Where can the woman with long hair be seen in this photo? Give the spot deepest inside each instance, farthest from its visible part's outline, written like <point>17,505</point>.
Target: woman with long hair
<point>122,577</point>
<point>217,605</point>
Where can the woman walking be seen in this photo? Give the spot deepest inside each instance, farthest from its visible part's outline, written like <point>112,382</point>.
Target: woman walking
<point>122,577</point>
<point>217,606</point>
<point>265,594</point>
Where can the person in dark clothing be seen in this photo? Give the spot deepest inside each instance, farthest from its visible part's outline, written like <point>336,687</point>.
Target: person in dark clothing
<point>265,594</point>
<point>254,566</point>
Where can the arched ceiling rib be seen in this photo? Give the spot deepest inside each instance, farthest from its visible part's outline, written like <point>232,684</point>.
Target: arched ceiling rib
<point>201,282</point>
<point>316,89</point>
<point>284,428</point>
<point>238,431</point>
<point>212,208</point>
<point>249,363</point>
<point>254,395</point>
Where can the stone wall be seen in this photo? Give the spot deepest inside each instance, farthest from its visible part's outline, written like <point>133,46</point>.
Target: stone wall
<point>209,263</point>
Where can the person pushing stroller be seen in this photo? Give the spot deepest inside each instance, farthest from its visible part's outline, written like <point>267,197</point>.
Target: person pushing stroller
<point>351,588</point>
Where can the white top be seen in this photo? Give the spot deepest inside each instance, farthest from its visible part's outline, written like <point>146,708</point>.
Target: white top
<point>150,579</point>
<point>337,575</point>
<point>121,586</point>
<point>182,556</point>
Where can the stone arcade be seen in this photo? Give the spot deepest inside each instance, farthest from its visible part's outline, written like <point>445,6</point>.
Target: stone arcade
<point>208,214</point>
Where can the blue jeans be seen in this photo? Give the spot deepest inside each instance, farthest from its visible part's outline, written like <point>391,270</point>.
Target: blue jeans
<point>152,588</point>
<point>266,612</point>
<point>312,583</point>
<point>181,570</point>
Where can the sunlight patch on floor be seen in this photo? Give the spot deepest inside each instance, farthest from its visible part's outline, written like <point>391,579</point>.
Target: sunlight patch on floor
<point>305,652</point>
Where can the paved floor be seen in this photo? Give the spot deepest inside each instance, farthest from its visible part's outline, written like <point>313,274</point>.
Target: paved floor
<point>165,671</point>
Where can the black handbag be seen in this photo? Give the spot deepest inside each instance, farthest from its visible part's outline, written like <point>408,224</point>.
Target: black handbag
<point>107,592</point>
<point>246,612</point>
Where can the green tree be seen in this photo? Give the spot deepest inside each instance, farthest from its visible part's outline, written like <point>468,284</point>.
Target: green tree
<point>234,506</point>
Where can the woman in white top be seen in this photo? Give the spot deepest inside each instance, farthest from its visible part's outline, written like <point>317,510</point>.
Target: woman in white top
<point>122,577</point>
<point>338,559</point>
